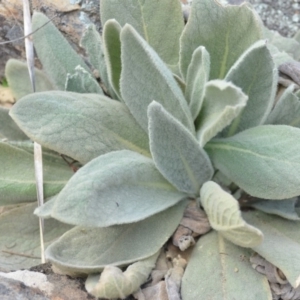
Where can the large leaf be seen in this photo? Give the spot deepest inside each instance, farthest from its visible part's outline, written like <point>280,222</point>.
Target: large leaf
<point>255,73</point>
<point>160,23</point>
<point>219,270</point>
<point>145,78</point>
<point>176,152</point>
<point>281,245</point>
<point>9,128</point>
<point>17,178</point>
<point>225,31</point>
<point>56,54</point>
<point>197,76</point>
<point>286,110</point>
<point>89,250</point>
<point>225,216</point>
<point>16,73</point>
<point>20,239</point>
<point>222,102</point>
<point>112,283</point>
<point>112,50</point>
<point>82,126</point>
<point>115,188</point>
<point>264,160</point>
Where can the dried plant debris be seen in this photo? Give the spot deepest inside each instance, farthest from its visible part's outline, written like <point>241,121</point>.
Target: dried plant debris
<point>280,287</point>
<point>193,224</point>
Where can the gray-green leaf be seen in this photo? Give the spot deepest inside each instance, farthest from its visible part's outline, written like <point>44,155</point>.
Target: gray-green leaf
<point>56,54</point>
<point>255,73</point>
<point>223,102</point>
<point>115,188</point>
<point>225,31</point>
<point>160,23</point>
<point>225,216</point>
<point>145,78</point>
<point>264,160</point>
<point>82,126</point>
<point>89,250</point>
<point>219,270</point>
<point>176,152</point>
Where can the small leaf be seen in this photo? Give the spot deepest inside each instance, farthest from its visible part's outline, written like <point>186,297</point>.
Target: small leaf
<point>16,73</point>
<point>91,124</point>
<point>225,216</point>
<point>264,161</point>
<point>82,81</point>
<point>176,152</point>
<point>20,240</point>
<point>225,31</point>
<point>283,208</point>
<point>145,78</point>
<point>254,72</point>
<point>55,53</point>
<point>89,250</point>
<point>17,179</point>
<point>9,128</point>
<point>219,270</point>
<point>115,188</point>
<point>281,245</point>
<point>222,103</point>
<point>197,76</point>
<point>113,283</point>
<point>160,23</point>
<point>286,110</point>
<point>112,50</point>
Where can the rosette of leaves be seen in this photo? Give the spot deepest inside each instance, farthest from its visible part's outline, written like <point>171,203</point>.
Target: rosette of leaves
<point>181,113</point>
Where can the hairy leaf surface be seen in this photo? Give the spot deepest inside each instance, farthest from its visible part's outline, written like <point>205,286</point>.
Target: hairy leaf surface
<point>145,78</point>
<point>55,53</point>
<point>219,270</point>
<point>89,250</point>
<point>225,216</point>
<point>281,245</point>
<point>222,103</point>
<point>82,126</point>
<point>160,23</point>
<point>215,27</point>
<point>115,188</point>
<point>176,152</point>
<point>254,72</point>
<point>264,160</point>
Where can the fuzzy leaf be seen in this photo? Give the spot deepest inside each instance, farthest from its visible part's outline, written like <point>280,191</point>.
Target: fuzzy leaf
<point>225,216</point>
<point>264,161</point>
<point>115,188</point>
<point>56,54</point>
<point>283,208</point>
<point>145,78</point>
<point>9,128</point>
<point>20,239</point>
<point>225,31</point>
<point>160,23</point>
<point>197,76</point>
<point>223,101</point>
<point>17,179</point>
<point>45,210</point>
<point>219,270</point>
<point>89,250</point>
<point>255,73</point>
<point>113,283</point>
<point>82,81</point>
<point>112,50</point>
<point>286,110</point>
<point>16,73</point>
<point>281,245</point>
<point>91,124</point>
<point>176,152</point>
